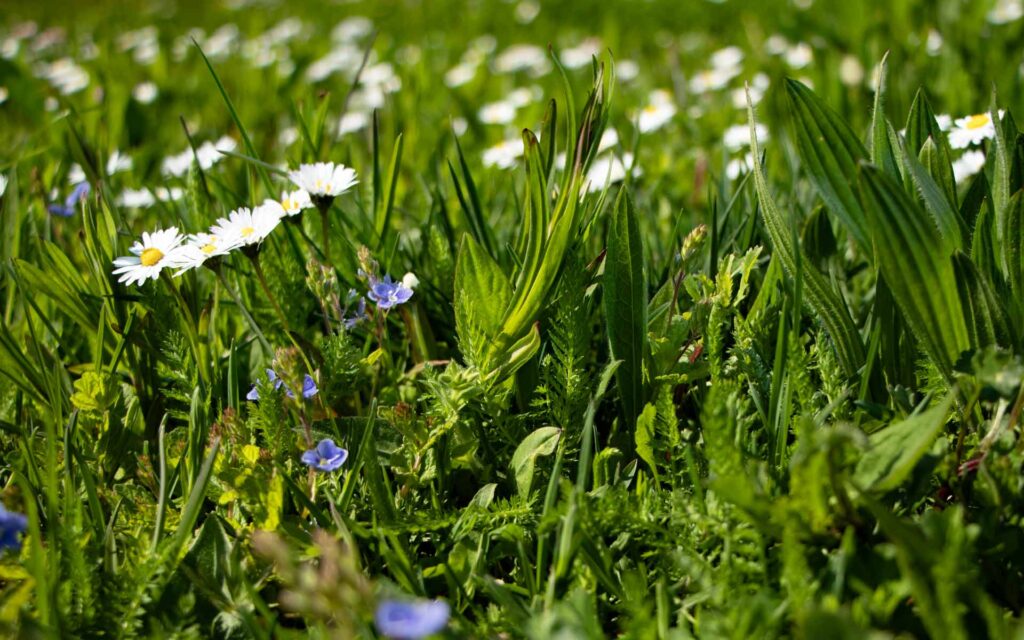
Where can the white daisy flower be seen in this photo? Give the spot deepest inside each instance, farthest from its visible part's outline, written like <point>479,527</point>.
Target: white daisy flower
<point>201,247</point>
<point>727,58</point>
<point>968,164</point>
<point>523,57</point>
<point>851,71</point>
<point>3,184</point>
<point>799,55</point>
<point>627,70</point>
<point>658,112</point>
<point>251,226</point>
<point>944,120</point>
<point>609,139</point>
<point>293,202</point>
<point>145,92</point>
<point>934,42</point>
<point>323,179</point>
<point>460,74</point>
<point>582,54</point>
<point>972,130</point>
<point>504,154</point>
<point>738,166</point>
<point>353,121</point>
<point>149,256</point>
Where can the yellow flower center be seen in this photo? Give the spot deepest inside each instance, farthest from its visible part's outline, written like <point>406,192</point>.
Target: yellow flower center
<point>323,462</point>
<point>247,231</point>
<point>319,184</point>
<point>150,257</point>
<point>209,248</point>
<point>977,121</point>
<point>650,109</point>
<point>289,204</point>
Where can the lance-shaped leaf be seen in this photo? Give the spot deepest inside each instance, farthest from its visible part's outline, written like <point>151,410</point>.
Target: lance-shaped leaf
<point>987,320</point>
<point>1013,244</point>
<point>897,448</point>
<point>922,126</point>
<point>913,260</point>
<point>817,291</point>
<point>829,152</point>
<point>482,294</point>
<point>541,442</point>
<point>883,151</point>
<point>625,304</point>
<point>946,219</point>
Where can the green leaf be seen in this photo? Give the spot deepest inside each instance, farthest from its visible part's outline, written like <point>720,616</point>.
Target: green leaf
<point>947,219</point>
<point>818,292</point>
<point>897,448</point>
<point>625,304</point>
<point>987,319</point>
<point>916,267</point>
<point>645,430</point>
<point>482,294</point>
<point>541,442</point>
<point>829,152</point>
<point>1013,243</point>
<point>882,153</point>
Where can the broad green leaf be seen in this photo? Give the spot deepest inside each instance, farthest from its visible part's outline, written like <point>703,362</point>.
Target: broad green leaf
<point>897,448</point>
<point>829,152</point>
<point>921,125</point>
<point>817,290</point>
<point>481,297</point>
<point>541,442</point>
<point>911,257</point>
<point>645,430</point>
<point>625,304</point>
<point>1013,244</point>
<point>882,151</point>
<point>946,219</point>
<point>987,319</point>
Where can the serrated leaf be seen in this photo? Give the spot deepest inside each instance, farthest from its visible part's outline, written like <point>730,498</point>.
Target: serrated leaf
<point>541,442</point>
<point>946,219</point>
<point>481,297</point>
<point>897,448</point>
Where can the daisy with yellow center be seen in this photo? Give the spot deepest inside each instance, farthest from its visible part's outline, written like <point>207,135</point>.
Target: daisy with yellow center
<point>202,247</point>
<point>323,179</point>
<point>249,226</point>
<point>150,255</point>
<point>293,202</point>
<point>657,113</point>
<point>971,130</point>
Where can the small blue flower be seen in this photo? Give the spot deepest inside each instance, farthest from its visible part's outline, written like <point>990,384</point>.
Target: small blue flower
<point>387,293</point>
<point>11,524</point>
<point>309,388</point>
<point>77,194</point>
<point>327,456</point>
<point>411,620</point>
<point>360,313</point>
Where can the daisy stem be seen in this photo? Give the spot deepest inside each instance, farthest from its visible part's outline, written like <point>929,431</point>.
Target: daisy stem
<point>245,311</point>
<point>326,223</point>
<point>190,322</point>
<point>280,313</point>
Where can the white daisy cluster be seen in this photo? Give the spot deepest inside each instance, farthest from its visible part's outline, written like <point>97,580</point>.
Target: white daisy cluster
<point>243,228</point>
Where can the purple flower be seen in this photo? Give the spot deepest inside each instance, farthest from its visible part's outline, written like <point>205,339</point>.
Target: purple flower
<point>77,194</point>
<point>327,456</point>
<point>11,524</point>
<point>411,620</point>
<point>309,388</point>
<point>360,313</point>
<point>387,293</point>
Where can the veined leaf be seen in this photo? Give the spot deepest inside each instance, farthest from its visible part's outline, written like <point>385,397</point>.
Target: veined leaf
<point>882,150</point>
<point>912,259</point>
<point>625,303</point>
<point>482,294</point>
<point>947,219</point>
<point>820,295</point>
<point>897,448</point>
<point>829,151</point>
<point>921,125</point>
<point>541,442</point>
<point>1013,244</point>
<point>987,319</point>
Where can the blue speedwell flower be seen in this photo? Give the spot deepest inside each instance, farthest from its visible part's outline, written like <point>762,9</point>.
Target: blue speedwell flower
<point>388,293</point>
<point>411,620</point>
<point>11,525</point>
<point>327,456</point>
<point>77,194</point>
<point>309,388</point>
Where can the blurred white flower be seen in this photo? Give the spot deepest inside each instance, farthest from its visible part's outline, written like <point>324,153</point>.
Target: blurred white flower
<point>410,281</point>
<point>934,42</point>
<point>1006,11</point>
<point>460,74</point>
<point>657,113</point>
<point>353,121</point>
<point>970,163</point>
<point>799,55</point>
<point>523,57</point>
<point>3,184</point>
<point>116,163</point>
<point>758,85</point>
<point>581,54</point>
<point>65,75</point>
<point>352,29</point>
<point>776,45</point>
<point>851,71</point>
<point>712,79</point>
<point>527,11</point>
<point>145,92</point>
<point>136,199</point>
<point>738,136</point>
<point>504,154</point>
<point>502,112</point>
<point>738,166</point>
<point>4,93</point>
<point>727,58</point>
<point>609,169</point>
<point>626,70</point>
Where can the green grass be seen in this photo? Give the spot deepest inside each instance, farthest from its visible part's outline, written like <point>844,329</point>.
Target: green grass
<point>780,401</point>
